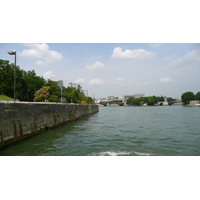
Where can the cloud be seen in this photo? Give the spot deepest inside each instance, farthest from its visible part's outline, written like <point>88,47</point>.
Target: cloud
<point>154,45</point>
<point>145,83</point>
<point>97,82</point>
<point>42,52</point>
<point>133,55</point>
<point>48,75</point>
<point>190,59</point>
<point>164,80</point>
<point>96,66</point>
<point>80,80</point>
<point>121,82</point>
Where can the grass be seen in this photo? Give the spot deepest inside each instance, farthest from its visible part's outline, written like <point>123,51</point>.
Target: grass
<point>4,97</point>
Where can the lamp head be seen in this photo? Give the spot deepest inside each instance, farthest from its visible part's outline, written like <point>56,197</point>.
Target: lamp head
<point>11,52</point>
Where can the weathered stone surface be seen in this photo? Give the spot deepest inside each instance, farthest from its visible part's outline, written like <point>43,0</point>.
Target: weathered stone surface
<point>20,120</point>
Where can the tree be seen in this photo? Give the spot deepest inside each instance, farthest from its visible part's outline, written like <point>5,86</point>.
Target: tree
<point>187,97</point>
<point>30,84</point>
<point>129,100</point>
<point>42,93</point>
<point>150,101</point>
<point>160,98</point>
<point>74,94</point>
<point>54,87</point>
<point>136,101</point>
<point>197,96</point>
<point>6,78</point>
<point>141,103</point>
<point>53,98</point>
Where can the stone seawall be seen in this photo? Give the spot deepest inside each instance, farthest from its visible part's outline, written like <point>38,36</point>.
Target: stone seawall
<point>21,120</point>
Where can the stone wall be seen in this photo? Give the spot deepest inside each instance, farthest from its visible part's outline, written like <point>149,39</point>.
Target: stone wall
<point>20,120</point>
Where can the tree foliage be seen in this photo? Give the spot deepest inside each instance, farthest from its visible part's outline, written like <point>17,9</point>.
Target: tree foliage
<point>42,93</point>
<point>152,100</point>
<point>197,96</point>
<point>28,84</point>
<point>187,97</point>
<point>53,98</point>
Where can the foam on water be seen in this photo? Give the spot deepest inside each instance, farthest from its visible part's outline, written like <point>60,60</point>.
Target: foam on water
<point>111,153</point>
<point>120,153</point>
<point>142,154</point>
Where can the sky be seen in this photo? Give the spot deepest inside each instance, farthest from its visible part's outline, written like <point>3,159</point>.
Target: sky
<point>149,47</point>
<point>113,69</point>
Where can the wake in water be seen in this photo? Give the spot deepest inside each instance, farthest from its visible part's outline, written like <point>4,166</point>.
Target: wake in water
<point>120,153</point>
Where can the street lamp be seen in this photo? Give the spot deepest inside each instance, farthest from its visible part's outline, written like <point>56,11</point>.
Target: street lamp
<point>14,53</point>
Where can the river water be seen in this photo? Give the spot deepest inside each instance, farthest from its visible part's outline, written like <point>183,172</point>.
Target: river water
<point>120,131</point>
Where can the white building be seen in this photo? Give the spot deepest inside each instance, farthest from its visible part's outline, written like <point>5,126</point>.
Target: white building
<point>195,103</point>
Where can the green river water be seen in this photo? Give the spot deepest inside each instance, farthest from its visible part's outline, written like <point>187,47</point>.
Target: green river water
<point>120,131</point>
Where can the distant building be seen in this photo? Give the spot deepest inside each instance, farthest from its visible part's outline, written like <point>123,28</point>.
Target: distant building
<point>111,98</point>
<point>195,103</point>
<point>103,99</point>
<point>137,95</point>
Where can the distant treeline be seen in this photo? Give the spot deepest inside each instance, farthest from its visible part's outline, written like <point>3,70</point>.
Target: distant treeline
<point>28,83</point>
<point>152,100</point>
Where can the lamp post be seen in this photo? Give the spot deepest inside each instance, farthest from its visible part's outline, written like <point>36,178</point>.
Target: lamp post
<point>14,53</point>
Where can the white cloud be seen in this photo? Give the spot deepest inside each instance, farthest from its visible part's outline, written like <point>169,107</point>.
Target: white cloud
<point>133,55</point>
<point>145,83</point>
<point>190,59</point>
<point>154,45</point>
<point>48,74</point>
<point>164,80</point>
<point>42,52</point>
<point>96,66</point>
<point>97,82</point>
<point>80,80</point>
<point>121,82</point>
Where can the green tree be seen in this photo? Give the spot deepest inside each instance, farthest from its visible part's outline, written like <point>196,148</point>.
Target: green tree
<point>54,87</point>
<point>74,94</point>
<point>141,103</point>
<point>197,96</point>
<point>136,101</point>
<point>6,78</point>
<point>150,101</point>
<point>30,84</point>
<point>88,100</point>
<point>53,98</point>
<point>160,99</point>
<point>130,100</point>
<point>171,100</point>
<point>187,97</point>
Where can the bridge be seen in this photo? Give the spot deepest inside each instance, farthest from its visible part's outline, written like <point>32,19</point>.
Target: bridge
<point>165,102</point>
